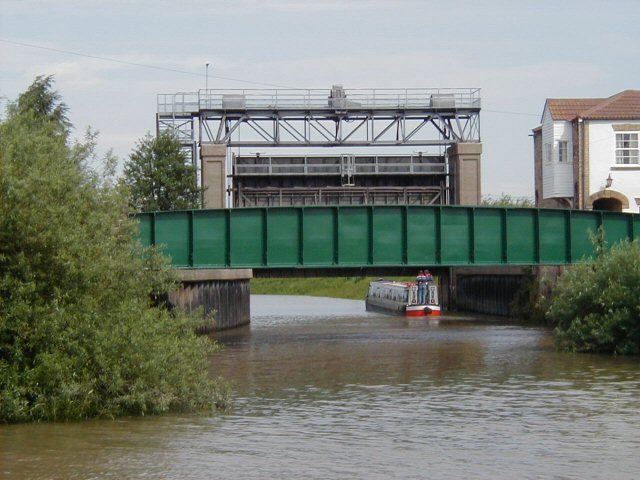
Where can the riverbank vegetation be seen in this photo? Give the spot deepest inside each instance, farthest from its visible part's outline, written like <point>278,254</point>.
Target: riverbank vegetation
<point>596,304</point>
<point>353,288</point>
<point>80,333</point>
<point>506,200</point>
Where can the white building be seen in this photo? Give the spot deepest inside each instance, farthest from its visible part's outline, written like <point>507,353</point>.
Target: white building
<point>587,154</point>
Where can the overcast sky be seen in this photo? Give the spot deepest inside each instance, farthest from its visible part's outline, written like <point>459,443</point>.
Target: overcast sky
<point>518,53</point>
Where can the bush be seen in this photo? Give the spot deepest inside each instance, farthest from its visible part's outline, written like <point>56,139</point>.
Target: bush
<point>506,200</point>
<point>596,305</point>
<point>79,334</point>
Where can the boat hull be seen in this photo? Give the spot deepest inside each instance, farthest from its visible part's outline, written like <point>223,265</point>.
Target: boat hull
<point>395,308</point>
<point>384,306</point>
<point>422,311</point>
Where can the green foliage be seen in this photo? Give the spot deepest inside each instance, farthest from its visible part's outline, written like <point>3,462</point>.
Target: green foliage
<point>354,288</point>
<point>596,305</point>
<point>506,200</point>
<point>43,105</point>
<point>79,334</point>
<point>159,177</point>
<point>532,300</point>
<point>526,305</point>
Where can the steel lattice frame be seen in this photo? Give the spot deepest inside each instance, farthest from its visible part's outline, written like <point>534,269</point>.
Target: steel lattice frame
<point>358,129</point>
<point>310,118</point>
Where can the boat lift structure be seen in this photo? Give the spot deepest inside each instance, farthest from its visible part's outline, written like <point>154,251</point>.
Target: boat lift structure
<point>430,118</point>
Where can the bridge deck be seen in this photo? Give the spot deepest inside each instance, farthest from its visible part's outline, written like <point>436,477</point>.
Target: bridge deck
<point>379,236</point>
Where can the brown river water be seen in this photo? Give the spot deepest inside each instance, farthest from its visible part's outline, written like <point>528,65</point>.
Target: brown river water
<point>323,389</point>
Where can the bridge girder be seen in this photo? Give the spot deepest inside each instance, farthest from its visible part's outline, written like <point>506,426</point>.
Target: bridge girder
<point>366,128</point>
<point>380,236</point>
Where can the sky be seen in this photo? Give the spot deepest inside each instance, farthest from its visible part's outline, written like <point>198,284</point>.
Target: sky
<point>519,53</point>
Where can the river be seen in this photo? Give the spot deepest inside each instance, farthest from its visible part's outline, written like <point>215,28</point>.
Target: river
<point>323,389</point>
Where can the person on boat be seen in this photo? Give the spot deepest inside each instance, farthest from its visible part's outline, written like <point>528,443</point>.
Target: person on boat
<point>427,274</point>
<point>421,280</point>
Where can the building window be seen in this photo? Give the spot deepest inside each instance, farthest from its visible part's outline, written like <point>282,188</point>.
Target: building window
<point>627,148</point>
<point>548,152</point>
<point>562,152</point>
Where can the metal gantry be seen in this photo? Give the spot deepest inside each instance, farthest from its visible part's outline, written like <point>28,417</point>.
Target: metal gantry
<point>330,117</point>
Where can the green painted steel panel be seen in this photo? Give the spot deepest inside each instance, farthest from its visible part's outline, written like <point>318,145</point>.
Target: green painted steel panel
<point>521,236</point>
<point>173,233</point>
<point>145,229</point>
<point>422,241</point>
<point>247,237</point>
<point>456,243</point>
<point>365,235</point>
<point>581,224</point>
<point>283,236</point>
<point>210,238</point>
<point>616,227</point>
<point>488,235</point>
<point>553,236</point>
<point>319,236</point>
<point>388,234</point>
<point>353,236</point>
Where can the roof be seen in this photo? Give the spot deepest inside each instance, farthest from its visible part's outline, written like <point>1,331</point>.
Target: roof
<point>621,106</point>
<point>570,108</point>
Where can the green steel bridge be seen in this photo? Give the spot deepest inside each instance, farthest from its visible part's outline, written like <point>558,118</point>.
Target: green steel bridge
<point>379,236</point>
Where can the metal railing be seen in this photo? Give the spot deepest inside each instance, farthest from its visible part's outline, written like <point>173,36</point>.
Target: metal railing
<point>349,195</point>
<point>324,165</point>
<point>191,103</point>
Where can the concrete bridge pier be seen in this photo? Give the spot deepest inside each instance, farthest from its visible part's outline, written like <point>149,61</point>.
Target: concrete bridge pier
<point>222,293</point>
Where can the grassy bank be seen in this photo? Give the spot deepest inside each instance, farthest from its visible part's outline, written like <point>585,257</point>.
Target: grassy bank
<point>354,288</point>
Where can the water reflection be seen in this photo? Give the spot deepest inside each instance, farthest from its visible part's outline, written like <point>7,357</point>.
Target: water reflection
<point>326,390</point>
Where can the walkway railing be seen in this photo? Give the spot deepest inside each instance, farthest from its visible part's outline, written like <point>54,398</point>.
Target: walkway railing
<point>325,165</point>
<point>188,103</point>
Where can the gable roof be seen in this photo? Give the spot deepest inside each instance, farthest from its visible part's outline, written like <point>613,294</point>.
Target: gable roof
<point>570,108</point>
<point>621,106</point>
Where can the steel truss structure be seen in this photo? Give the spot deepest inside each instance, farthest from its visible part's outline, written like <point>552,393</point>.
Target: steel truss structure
<point>272,196</point>
<point>310,118</point>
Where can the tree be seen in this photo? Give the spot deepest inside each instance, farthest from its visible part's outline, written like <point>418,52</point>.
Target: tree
<point>159,177</point>
<point>596,304</point>
<point>79,333</point>
<point>43,105</point>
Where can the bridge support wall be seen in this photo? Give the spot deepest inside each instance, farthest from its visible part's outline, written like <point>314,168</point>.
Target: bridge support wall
<point>223,295</point>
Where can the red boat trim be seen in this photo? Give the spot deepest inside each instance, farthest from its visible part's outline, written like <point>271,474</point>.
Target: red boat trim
<point>422,311</point>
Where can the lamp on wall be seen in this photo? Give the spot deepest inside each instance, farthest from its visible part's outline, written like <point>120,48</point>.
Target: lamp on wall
<point>609,182</point>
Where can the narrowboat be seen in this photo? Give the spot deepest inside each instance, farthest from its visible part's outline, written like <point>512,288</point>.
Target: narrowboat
<point>401,298</point>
